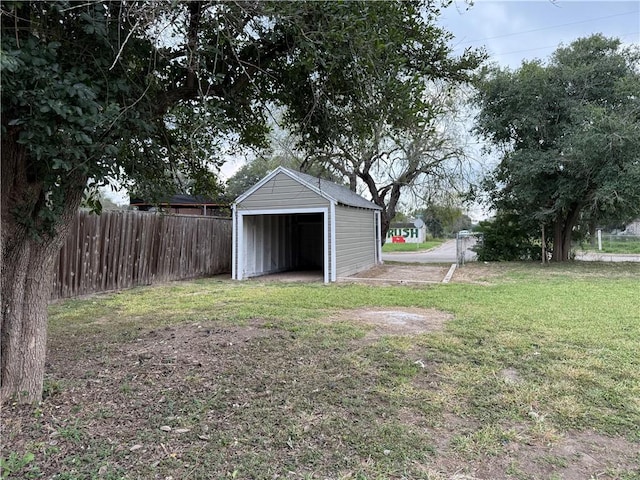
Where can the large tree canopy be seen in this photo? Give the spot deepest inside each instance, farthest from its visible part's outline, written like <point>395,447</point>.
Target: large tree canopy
<point>400,135</point>
<point>569,135</point>
<point>390,158</point>
<point>101,90</point>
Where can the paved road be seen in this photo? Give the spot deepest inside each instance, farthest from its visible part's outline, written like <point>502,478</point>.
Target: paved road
<point>445,253</point>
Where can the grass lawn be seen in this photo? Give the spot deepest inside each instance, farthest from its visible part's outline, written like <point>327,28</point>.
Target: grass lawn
<point>411,247</point>
<point>617,245</point>
<point>531,372</point>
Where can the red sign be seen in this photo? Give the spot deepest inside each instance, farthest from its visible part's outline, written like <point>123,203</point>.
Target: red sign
<point>397,239</point>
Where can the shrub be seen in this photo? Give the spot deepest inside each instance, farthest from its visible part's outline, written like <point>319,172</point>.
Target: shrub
<point>505,239</point>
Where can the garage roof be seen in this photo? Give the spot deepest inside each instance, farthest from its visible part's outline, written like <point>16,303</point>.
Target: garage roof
<point>325,188</point>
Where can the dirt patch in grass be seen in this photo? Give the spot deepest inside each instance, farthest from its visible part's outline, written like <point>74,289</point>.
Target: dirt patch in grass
<point>387,321</point>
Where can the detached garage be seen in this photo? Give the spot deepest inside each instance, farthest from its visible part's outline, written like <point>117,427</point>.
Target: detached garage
<point>291,221</point>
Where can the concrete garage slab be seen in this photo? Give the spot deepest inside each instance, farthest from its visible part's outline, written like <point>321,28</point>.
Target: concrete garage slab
<point>394,274</point>
<point>380,274</point>
<point>292,276</point>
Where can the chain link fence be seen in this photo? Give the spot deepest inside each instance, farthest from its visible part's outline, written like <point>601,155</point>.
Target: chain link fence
<point>611,243</point>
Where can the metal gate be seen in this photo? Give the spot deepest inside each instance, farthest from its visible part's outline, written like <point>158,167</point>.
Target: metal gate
<point>465,243</point>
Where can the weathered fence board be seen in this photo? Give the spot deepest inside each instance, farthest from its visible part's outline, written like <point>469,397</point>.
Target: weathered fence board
<point>122,249</point>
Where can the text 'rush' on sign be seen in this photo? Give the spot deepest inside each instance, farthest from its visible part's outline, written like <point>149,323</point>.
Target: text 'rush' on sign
<point>408,235</point>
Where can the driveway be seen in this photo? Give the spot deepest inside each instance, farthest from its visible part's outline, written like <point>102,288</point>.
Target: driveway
<point>445,253</point>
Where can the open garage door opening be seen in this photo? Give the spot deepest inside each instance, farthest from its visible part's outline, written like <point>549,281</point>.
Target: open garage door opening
<point>291,242</point>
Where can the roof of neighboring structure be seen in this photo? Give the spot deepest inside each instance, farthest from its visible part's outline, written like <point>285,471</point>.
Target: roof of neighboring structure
<point>325,188</point>
<point>179,200</point>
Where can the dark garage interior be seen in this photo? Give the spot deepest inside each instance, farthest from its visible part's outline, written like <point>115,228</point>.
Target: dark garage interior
<point>283,243</point>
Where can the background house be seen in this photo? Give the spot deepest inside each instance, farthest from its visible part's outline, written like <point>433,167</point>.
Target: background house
<point>183,205</point>
<point>633,228</point>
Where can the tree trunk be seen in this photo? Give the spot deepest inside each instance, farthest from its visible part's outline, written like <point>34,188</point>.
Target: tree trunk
<point>562,235</point>
<point>558,243</point>
<point>385,224</point>
<point>566,247</point>
<point>28,251</point>
<point>561,242</point>
<point>26,288</point>
<point>388,211</point>
<point>353,181</point>
<point>544,245</point>
<point>592,234</point>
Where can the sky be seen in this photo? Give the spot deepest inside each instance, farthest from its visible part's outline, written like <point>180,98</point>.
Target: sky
<point>514,30</point>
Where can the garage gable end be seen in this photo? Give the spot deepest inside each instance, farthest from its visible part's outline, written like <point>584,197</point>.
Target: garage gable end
<point>280,189</point>
<point>338,194</point>
<point>275,182</point>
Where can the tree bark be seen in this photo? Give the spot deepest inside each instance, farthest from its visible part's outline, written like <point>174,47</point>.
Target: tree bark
<point>544,245</point>
<point>26,288</point>
<point>592,234</point>
<point>389,211</point>
<point>388,206</point>
<point>28,257</point>
<point>562,234</point>
<point>558,243</point>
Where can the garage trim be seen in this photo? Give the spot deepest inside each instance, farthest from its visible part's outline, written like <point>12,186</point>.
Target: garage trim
<point>238,232</point>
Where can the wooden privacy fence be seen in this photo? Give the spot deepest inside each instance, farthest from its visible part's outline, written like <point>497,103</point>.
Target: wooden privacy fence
<point>122,249</point>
